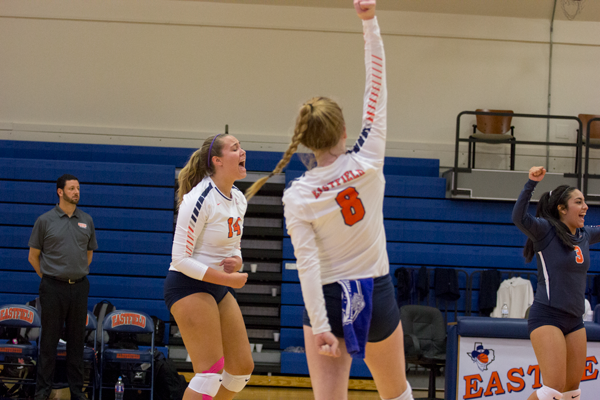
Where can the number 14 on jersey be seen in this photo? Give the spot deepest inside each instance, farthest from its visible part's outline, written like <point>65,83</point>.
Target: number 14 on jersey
<point>234,227</point>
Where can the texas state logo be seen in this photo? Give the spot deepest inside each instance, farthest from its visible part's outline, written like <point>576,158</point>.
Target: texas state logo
<point>482,356</point>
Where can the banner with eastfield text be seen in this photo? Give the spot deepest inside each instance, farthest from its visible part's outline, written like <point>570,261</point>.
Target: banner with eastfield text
<point>493,368</point>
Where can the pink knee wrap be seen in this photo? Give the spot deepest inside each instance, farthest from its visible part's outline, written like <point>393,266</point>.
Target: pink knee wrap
<point>215,369</point>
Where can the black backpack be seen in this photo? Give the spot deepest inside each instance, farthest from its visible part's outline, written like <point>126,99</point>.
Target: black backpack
<point>144,339</point>
<point>168,384</point>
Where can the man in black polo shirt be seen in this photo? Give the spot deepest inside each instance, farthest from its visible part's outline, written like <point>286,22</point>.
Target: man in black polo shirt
<point>60,251</point>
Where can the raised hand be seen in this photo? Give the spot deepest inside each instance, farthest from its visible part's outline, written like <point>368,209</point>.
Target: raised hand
<point>365,8</point>
<point>537,173</point>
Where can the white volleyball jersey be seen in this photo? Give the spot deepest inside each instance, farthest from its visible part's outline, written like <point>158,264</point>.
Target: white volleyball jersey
<point>334,214</point>
<point>209,229</point>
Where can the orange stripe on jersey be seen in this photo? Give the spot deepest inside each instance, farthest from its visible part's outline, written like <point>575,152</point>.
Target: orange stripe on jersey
<point>376,70</point>
<point>190,228</point>
<point>378,77</point>
<point>370,119</point>
<point>374,56</point>
<point>370,113</point>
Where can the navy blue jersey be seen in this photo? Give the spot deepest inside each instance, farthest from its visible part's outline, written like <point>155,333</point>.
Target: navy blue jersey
<point>562,272</point>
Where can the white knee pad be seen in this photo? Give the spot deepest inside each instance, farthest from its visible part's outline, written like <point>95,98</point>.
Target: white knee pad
<point>234,383</point>
<point>572,395</point>
<point>206,384</point>
<point>547,393</point>
<point>407,395</point>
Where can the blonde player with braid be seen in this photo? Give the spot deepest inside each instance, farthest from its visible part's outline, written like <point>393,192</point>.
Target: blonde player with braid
<point>334,217</point>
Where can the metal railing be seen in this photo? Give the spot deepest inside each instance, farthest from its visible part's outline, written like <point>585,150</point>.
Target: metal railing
<point>577,145</point>
<point>588,145</point>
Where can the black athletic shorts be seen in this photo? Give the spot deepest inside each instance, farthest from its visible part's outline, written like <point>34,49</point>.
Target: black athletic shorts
<point>178,286</point>
<point>541,315</point>
<point>384,319</point>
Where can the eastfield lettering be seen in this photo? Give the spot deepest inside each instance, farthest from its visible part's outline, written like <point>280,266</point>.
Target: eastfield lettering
<point>514,382</point>
<point>128,319</point>
<point>17,313</point>
<point>345,178</point>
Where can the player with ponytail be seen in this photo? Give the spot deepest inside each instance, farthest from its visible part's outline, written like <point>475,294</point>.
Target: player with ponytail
<point>206,258</point>
<point>334,215</point>
<point>560,241</point>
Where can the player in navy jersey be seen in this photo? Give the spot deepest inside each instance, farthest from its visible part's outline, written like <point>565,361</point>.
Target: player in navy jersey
<point>561,242</point>
<point>206,258</point>
<point>334,215</point>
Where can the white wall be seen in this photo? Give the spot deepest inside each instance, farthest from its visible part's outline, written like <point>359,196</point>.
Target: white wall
<point>170,73</point>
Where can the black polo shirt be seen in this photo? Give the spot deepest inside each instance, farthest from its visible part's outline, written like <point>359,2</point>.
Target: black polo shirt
<point>64,242</point>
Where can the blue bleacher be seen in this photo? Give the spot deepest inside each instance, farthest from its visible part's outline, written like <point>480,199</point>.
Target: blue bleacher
<point>122,219</point>
<point>132,204</point>
<point>86,171</point>
<point>91,195</point>
<point>156,156</point>
<point>129,191</point>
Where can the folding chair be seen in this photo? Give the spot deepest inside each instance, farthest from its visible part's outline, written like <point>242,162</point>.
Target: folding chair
<point>131,363</point>
<point>20,358</point>
<point>90,364</point>
<point>494,129</point>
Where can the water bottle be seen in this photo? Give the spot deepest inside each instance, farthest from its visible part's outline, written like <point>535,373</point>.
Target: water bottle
<point>505,311</point>
<point>119,389</point>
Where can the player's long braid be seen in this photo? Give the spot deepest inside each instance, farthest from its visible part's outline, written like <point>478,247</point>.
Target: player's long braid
<point>301,126</point>
<point>197,167</point>
<point>547,208</point>
<point>319,125</point>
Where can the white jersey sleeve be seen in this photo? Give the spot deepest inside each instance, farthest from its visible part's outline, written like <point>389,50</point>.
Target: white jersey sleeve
<point>334,213</point>
<point>209,229</point>
<point>371,142</point>
<point>306,252</point>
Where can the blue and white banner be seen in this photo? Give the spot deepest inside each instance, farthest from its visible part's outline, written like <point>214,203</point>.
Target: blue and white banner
<point>493,368</point>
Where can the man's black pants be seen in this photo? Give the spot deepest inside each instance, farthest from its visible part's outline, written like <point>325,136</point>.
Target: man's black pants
<point>63,304</point>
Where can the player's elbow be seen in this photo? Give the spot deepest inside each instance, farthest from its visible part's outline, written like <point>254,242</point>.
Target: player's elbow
<point>33,260</point>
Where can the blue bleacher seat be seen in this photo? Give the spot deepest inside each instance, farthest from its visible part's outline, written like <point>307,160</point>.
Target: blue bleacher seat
<point>97,172</point>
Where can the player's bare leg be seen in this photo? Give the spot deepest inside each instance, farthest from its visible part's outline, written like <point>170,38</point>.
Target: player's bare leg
<point>328,375</point>
<point>193,314</point>
<point>385,360</point>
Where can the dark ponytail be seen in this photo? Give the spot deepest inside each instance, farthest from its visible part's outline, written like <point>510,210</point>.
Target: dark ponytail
<point>547,208</point>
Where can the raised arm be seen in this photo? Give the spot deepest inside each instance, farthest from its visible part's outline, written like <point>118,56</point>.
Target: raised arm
<point>371,142</point>
<point>534,228</point>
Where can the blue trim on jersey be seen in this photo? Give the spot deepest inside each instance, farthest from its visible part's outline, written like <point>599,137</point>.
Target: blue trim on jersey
<point>225,197</point>
<point>200,202</point>
<point>289,185</point>
<point>361,139</point>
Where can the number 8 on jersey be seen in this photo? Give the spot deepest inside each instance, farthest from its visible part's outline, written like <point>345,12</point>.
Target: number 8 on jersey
<point>352,207</point>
